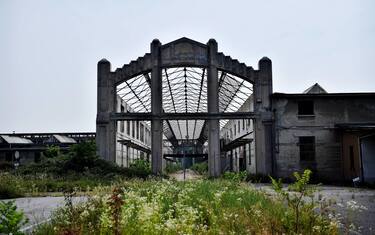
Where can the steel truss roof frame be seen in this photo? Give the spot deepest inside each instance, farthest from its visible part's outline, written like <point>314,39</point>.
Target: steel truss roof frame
<point>184,100</point>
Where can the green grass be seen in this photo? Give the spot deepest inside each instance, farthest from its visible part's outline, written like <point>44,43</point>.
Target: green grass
<point>171,207</point>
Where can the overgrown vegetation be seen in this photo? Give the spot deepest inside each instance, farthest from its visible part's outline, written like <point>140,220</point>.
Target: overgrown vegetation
<point>193,207</point>
<point>302,212</point>
<point>78,169</point>
<point>200,168</point>
<point>235,176</point>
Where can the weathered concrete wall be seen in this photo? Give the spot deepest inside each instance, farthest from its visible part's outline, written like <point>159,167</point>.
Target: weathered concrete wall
<point>328,111</point>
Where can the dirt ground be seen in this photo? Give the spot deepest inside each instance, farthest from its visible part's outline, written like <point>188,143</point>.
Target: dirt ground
<point>189,175</point>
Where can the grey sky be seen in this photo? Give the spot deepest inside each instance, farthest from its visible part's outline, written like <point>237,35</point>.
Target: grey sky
<point>49,49</point>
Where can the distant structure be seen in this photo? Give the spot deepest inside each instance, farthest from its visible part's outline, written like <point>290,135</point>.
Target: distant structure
<point>24,148</point>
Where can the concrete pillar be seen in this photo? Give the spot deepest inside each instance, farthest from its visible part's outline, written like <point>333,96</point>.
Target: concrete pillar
<point>156,109</point>
<point>105,128</point>
<point>263,124</point>
<point>214,168</point>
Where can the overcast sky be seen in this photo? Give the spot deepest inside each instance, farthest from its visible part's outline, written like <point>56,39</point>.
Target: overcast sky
<point>49,49</point>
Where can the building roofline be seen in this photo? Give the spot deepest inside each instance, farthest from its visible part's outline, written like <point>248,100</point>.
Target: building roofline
<point>323,95</point>
<point>48,133</point>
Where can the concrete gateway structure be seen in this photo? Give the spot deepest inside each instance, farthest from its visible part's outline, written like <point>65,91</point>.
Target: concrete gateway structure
<point>186,90</point>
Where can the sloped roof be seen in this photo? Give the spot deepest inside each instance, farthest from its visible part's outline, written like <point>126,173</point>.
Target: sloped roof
<point>315,89</point>
<point>16,140</point>
<point>64,139</point>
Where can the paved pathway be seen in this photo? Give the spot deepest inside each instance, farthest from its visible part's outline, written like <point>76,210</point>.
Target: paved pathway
<point>189,175</point>
<point>39,209</point>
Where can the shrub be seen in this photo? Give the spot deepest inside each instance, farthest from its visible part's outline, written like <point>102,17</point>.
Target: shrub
<point>235,176</point>
<point>302,218</point>
<point>172,167</point>
<point>52,151</point>
<point>11,220</point>
<point>9,186</point>
<point>200,168</point>
<point>82,155</point>
<point>140,168</point>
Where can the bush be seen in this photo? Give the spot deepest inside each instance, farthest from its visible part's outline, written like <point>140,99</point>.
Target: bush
<point>9,186</point>
<point>302,218</point>
<point>11,220</point>
<point>82,156</point>
<point>140,168</point>
<point>200,168</point>
<point>235,176</point>
<point>172,168</point>
<point>52,151</point>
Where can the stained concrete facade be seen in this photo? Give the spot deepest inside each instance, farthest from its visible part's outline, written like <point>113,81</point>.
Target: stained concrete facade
<point>335,125</point>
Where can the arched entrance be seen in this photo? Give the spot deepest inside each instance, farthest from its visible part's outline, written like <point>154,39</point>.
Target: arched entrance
<point>196,103</point>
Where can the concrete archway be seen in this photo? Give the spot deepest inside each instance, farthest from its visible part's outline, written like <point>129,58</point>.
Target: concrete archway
<point>185,52</point>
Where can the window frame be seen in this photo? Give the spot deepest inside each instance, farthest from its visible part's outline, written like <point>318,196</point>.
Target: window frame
<point>304,111</point>
<point>304,150</point>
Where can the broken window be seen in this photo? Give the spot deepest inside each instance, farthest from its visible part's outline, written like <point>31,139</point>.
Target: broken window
<point>307,148</point>
<point>306,107</point>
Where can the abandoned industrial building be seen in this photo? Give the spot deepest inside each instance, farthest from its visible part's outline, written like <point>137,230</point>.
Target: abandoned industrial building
<point>187,99</point>
<point>207,105</point>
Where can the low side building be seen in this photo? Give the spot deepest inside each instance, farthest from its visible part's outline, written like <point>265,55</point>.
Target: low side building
<point>23,148</point>
<point>331,133</point>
